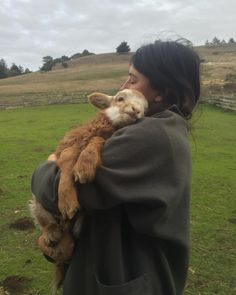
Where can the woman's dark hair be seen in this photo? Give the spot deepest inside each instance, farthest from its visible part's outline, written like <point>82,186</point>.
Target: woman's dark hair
<point>173,69</point>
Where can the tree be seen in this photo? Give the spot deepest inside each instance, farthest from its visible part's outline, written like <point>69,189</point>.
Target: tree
<point>61,59</point>
<point>27,71</point>
<point>76,55</point>
<point>15,70</point>
<point>215,41</point>
<point>3,69</point>
<point>48,63</point>
<point>65,65</point>
<point>231,41</point>
<point>123,47</point>
<point>64,58</point>
<point>86,53</point>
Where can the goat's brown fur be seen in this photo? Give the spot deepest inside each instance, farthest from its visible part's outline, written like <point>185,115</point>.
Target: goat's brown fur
<point>79,155</point>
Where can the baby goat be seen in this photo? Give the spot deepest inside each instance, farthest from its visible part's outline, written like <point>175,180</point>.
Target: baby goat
<point>79,155</point>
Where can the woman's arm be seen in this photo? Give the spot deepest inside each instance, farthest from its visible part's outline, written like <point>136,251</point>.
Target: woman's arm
<point>44,184</point>
<point>146,167</point>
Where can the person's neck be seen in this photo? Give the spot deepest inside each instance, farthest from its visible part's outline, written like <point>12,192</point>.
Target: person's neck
<point>155,107</point>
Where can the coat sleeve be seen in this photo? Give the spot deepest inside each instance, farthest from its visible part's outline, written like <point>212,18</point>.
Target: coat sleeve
<point>44,185</point>
<point>146,168</point>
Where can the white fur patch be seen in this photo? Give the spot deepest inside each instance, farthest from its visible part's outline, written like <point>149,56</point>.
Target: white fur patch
<point>113,114</point>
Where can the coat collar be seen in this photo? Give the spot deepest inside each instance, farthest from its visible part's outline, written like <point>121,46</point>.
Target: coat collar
<point>173,108</point>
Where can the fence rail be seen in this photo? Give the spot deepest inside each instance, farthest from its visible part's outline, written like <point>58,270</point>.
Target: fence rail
<point>226,102</point>
<point>40,101</point>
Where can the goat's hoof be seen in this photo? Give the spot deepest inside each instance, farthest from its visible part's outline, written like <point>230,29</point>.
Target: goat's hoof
<point>81,177</point>
<point>68,211</point>
<point>62,252</point>
<point>85,169</point>
<point>72,211</point>
<point>52,235</point>
<point>68,203</point>
<point>84,175</point>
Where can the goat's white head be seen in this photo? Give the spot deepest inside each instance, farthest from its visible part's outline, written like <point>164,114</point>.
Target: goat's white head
<point>122,109</point>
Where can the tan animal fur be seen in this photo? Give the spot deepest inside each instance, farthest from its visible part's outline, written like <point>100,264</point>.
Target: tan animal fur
<point>79,155</point>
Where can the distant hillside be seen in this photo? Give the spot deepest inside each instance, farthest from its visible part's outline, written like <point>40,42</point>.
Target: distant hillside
<point>106,58</point>
<point>106,72</point>
<point>102,72</point>
<point>219,75</point>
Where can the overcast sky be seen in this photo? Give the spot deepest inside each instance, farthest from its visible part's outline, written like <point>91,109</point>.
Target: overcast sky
<point>32,29</point>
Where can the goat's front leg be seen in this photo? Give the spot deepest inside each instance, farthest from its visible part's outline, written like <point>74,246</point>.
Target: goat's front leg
<point>88,161</point>
<point>67,196</point>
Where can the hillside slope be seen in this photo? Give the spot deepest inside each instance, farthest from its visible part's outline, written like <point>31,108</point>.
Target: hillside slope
<point>84,75</point>
<point>219,75</point>
<point>106,72</point>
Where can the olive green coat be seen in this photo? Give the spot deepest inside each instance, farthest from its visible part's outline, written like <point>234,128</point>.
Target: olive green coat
<point>135,237</point>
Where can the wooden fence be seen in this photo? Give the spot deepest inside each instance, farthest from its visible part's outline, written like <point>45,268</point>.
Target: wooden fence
<point>226,102</point>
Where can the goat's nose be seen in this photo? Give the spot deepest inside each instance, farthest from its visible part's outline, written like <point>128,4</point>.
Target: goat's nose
<point>135,110</point>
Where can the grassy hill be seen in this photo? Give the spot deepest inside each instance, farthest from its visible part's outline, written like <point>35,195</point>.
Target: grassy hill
<point>219,75</point>
<point>218,67</point>
<point>106,72</point>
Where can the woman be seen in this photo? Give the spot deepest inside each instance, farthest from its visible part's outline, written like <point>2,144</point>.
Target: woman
<point>135,237</point>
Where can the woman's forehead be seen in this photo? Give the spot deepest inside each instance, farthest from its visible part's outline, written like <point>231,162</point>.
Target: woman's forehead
<point>135,73</point>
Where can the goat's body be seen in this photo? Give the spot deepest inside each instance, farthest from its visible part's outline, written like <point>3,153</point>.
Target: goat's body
<point>81,136</point>
<point>78,156</point>
<point>68,152</point>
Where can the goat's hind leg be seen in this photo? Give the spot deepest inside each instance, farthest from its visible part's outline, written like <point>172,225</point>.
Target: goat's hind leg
<point>51,232</point>
<point>54,242</point>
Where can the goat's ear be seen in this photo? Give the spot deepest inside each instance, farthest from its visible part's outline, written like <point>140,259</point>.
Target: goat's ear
<point>100,100</point>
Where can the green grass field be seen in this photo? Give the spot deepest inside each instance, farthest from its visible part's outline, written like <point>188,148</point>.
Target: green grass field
<point>28,135</point>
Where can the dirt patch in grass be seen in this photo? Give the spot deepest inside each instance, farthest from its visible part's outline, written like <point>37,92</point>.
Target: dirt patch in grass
<point>14,285</point>
<point>232,220</point>
<point>24,223</point>
<point>40,149</point>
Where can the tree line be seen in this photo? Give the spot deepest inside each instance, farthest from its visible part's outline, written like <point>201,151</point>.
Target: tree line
<point>14,70</point>
<point>217,42</point>
<point>49,62</point>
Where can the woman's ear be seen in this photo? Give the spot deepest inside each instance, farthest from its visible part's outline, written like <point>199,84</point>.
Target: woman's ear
<point>100,100</point>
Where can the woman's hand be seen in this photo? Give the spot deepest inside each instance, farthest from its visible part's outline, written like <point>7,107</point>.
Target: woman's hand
<point>52,157</point>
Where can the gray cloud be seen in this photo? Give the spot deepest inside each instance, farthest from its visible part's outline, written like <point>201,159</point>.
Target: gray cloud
<point>31,29</point>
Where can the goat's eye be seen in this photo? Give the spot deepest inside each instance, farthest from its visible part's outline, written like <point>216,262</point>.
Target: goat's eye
<point>120,98</point>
